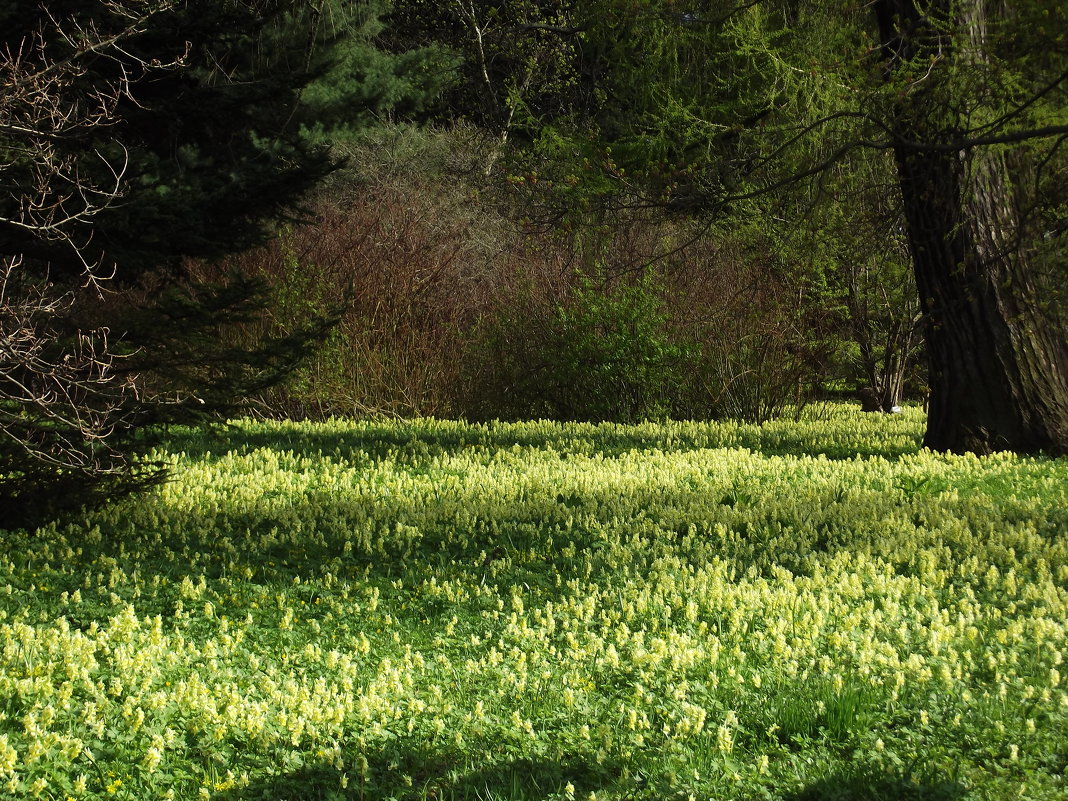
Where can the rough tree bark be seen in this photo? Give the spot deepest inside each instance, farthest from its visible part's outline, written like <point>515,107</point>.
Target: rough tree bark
<point>998,370</point>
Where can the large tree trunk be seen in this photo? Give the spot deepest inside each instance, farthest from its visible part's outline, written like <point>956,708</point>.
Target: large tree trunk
<point>998,369</point>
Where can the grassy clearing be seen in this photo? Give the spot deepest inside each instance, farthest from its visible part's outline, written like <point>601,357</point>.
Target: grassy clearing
<point>430,610</point>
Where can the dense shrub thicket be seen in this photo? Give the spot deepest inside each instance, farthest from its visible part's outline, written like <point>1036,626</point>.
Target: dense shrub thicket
<point>452,304</point>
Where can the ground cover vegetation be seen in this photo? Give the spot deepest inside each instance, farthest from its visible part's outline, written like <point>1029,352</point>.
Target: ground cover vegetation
<point>440,610</point>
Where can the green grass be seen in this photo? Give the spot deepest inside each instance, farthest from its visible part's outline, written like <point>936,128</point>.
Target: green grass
<point>811,610</point>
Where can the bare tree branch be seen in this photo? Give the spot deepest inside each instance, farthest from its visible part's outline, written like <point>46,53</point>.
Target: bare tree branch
<point>67,403</point>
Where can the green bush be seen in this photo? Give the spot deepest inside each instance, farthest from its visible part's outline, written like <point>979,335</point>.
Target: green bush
<point>603,351</point>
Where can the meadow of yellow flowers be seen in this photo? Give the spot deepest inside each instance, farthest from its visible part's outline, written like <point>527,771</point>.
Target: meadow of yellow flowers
<point>810,609</point>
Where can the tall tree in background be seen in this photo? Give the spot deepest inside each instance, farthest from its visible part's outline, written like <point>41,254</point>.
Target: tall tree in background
<point>971,98</point>
<point>966,90</point>
<point>717,105</point>
<point>511,65</point>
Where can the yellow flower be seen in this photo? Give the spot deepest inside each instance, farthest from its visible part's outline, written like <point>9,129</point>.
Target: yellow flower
<point>724,739</point>
<point>8,757</point>
<point>153,756</point>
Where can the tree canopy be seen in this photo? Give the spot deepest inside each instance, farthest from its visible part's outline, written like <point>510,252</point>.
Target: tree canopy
<point>715,109</point>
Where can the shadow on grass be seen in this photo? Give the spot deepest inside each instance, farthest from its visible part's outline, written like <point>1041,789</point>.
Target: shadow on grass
<point>868,784</point>
<point>416,441</point>
<point>281,533</point>
<point>413,777</point>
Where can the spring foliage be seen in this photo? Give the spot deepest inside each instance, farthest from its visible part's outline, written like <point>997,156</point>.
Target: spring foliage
<point>538,610</point>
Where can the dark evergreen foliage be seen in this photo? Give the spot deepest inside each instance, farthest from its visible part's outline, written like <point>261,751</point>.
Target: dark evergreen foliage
<point>188,126</point>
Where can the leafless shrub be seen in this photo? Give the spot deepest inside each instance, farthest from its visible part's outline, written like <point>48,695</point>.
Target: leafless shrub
<point>65,407</point>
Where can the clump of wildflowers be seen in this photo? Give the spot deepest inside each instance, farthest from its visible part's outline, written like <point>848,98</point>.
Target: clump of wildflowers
<point>671,609</point>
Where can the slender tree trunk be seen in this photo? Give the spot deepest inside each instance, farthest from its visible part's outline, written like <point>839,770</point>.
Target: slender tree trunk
<point>998,371</point>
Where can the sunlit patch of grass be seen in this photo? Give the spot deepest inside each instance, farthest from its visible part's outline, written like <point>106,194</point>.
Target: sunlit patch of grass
<point>431,610</point>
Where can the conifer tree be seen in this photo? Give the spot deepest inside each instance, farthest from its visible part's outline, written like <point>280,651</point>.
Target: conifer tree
<point>135,135</point>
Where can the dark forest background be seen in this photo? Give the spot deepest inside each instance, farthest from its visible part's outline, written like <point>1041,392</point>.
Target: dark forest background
<point>568,209</point>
